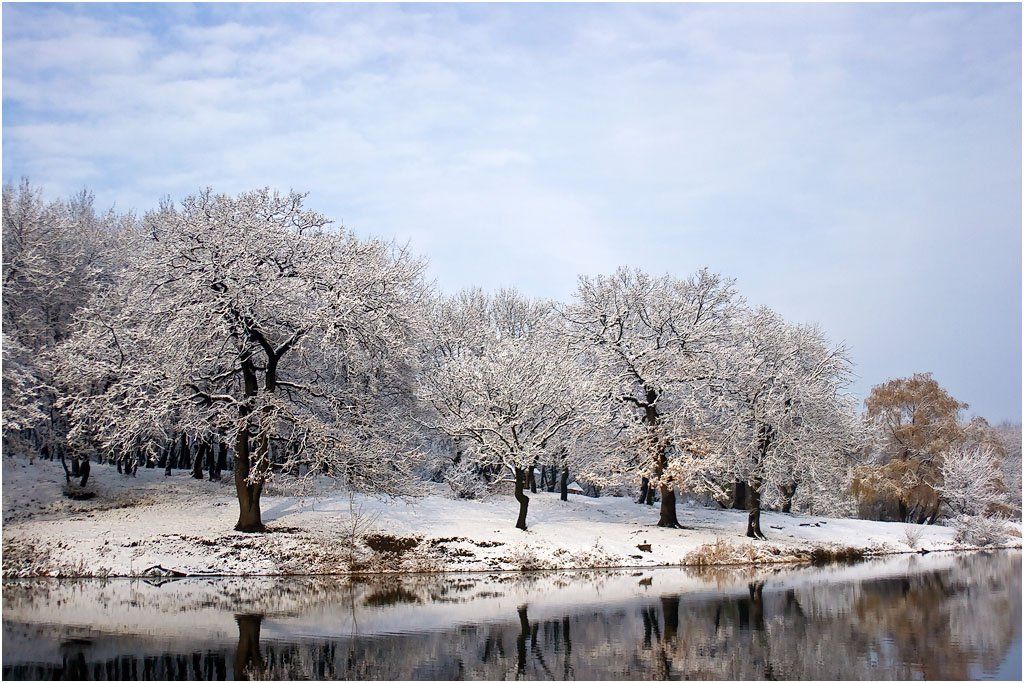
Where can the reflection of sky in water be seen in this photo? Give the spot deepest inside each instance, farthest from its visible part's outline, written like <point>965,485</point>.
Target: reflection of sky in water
<point>1010,669</point>
<point>907,617</point>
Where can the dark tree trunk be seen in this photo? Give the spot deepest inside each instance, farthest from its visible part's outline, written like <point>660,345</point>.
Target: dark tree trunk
<point>83,471</point>
<point>650,495</point>
<point>543,477</point>
<point>668,516</point>
<point>211,462</point>
<point>524,501</point>
<point>248,658</point>
<point>645,486</point>
<point>249,516</point>
<point>249,478</point>
<point>739,495</point>
<point>222,457</point>
<point>169,458</point>
<point>754,511</point>
<point>563,484</point>
<point>74,466</point>
<point>199,460</point>
<point>531,479</point>
<point>902,510</point>
<point>64,464</point>
<point>935,512</point>
<point>788,491</point>
<point>184,459</point>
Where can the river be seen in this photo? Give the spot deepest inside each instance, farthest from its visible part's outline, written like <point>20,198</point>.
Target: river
<point>937,616</point>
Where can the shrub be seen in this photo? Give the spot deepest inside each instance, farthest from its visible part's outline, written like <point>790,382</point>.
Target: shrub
<point>979,530</point>
<point>715,553</point>
<point>912,536</point>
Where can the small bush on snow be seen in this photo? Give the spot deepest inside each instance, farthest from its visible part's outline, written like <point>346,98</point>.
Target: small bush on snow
<point>912,536</point>
<point>979,530</point>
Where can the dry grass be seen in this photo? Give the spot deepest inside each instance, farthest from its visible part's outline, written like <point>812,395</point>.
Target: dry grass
<point>718,552</point>
<point>24,558</point>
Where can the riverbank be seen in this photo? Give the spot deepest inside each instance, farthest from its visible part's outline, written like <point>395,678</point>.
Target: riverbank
<point>153,524</point>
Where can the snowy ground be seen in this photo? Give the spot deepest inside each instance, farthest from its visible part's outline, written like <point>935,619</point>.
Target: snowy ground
<point>185,525</point>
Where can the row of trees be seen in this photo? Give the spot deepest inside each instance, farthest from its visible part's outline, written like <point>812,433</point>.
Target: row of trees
<point>252,328</point>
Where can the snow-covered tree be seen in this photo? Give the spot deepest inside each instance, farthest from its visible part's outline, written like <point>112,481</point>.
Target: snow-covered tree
<point>652,339</point>
<point>504,385</point>
<point>1010,436</point>
<point>972,489</point>
<point>779,418</point>
<point>971,481</point>
<point>56,256</point>
<point>24,406</point>
<point>252,317</point>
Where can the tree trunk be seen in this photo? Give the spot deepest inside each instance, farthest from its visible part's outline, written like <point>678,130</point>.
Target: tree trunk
<point>249,517</point>
<point>668,516</point>
<point>83,471</point>
<point>64,464</point>
<point>531,478</point>
<point>249,479</point>
<point>211,461</point>
<point>199,461</point>
<point>222,457</point>
<point>169,457</point>
<point>754,511</point>
<point>739,495</point>
<point>184,459</point>
<point>645,486</point>
<point>563,484</point>
<point>787,491</point>
<point>524,501</point>
<point>935,512</point>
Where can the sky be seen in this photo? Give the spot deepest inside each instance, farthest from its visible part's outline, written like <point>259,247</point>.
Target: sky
<point>858,166</point>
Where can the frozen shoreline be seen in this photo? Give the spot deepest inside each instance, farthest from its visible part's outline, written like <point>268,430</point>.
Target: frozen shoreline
<point>185,526</point>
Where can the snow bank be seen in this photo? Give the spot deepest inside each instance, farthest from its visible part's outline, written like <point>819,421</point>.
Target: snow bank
<point>185,525</point>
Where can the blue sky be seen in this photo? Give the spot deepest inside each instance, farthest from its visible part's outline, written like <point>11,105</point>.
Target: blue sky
<point>856,166</point>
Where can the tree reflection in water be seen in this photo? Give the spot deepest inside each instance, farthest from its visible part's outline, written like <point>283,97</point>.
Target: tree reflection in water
<point>953,618</point>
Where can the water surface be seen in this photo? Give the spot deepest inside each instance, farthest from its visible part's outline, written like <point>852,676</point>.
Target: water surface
<point>940,616</point>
